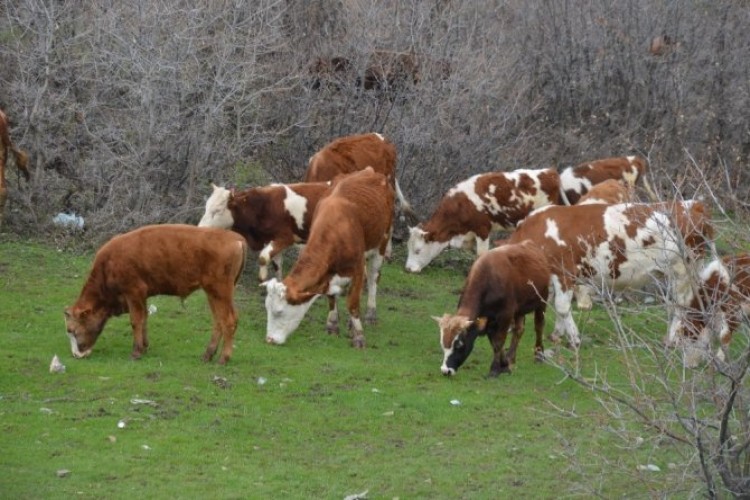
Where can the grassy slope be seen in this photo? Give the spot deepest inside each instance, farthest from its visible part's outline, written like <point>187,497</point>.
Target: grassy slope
<point>329,420</point>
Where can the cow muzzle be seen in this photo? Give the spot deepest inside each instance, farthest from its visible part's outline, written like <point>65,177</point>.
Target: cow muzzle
<point>77,353</point>
<point>449,372</point>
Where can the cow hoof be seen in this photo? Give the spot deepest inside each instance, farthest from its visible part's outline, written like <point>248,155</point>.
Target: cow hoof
<point>136,355</point>
<point>539,357</point>
<point>223,360</point>
<point>332,328</point>
<point>371,317</point>
<point>358,341</point>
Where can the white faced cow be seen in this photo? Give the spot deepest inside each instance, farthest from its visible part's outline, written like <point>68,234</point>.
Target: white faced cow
<point>271,218</point>
<point>577,181</point>
<point>503,286</point>
<point>474,207</point>
<point>350,226</point>
<point>720,303</point>
<point>617,246</point>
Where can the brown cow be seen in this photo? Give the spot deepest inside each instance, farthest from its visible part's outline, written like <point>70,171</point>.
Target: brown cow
<point>351,225</point>
<point>169,259</point>
<point>720,303</point>
<point>577,181</point>
<point>610,192</point>
<point>271,218</point>
<point>617,246</point>
<point>471,209</point>
<point>20,157</point>
<point>352,154</point>
<point>504,285</point>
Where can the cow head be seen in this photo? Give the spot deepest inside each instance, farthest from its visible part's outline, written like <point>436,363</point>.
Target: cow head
<point>421,251</point>
<point>83,326</point>
<point>283,311</point>
<point>457,336</point>
<point>217,210</point>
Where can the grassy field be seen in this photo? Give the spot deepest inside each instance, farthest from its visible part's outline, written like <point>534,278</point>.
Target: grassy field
<point>311,419</point>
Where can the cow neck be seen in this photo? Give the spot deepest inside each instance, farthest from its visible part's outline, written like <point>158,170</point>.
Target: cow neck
<point>310,275</point>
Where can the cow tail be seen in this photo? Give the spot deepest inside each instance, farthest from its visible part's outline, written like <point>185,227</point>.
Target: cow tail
<point>243,262</point>
<point>406,208</point>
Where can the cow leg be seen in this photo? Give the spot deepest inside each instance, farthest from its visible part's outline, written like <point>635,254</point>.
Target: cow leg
<point>564,323</point>
<point>583,297</point>
<point>518,327</point>
<point>138,315</point>
<point>332,322</point>
<point>225,324</point>
<point>352,305</point>
<point>539,330</point>
<point>373,276</point>
<point>497,341</point>
<point>271,254</point>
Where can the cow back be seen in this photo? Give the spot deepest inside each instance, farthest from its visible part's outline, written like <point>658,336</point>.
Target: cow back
<point>351,154</point>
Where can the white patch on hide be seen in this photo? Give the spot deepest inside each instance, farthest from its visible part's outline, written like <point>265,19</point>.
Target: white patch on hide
<point>296,206</point>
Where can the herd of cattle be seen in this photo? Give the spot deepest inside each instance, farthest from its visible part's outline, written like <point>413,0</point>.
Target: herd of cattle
<point>568,230</point>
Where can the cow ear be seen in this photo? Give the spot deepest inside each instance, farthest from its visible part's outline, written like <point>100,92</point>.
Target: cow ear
<point>437,318</point>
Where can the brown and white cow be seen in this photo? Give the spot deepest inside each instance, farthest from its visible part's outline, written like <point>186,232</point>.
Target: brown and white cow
<point>577,181</point>
<point>169,259</point>
<point>350,226</point>
<point>616,246</point>
<point>271,218</point>
<point>720,303</point>
<point>471,209</point>
<point>610,192</point>
<point>20,157</point>
<point>503,286</point>
<point>353,153</point>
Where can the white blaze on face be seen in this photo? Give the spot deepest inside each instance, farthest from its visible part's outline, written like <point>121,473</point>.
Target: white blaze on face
<point>283,317</point>
<point>296,206</point>
<point>421,252</point>
<point>217,214</point>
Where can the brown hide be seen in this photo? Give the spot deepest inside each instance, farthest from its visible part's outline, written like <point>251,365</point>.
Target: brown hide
<point>169,259</point>
<point>503,286</point>
<point>353,153</point>
<point>610,192</point>
<point>728,295</point>
<point>598,171</point>
<point>356,217</point>
<point>260,215</point>
<point>20,157</point>
<point>582,227</point>
<point>456,214</point>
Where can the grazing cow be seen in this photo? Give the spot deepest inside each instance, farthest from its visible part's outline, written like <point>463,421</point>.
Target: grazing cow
<point>169,259</point>
<point>503,285</point>
<point>352,154</point>
<point>720,303</point>
<point>577,181</point>
<point>610,192</point>
<point>20,157</point>
<point>474,207</point>
<point>351,225</point>
<point>617,246</point>
<point>271,218</point>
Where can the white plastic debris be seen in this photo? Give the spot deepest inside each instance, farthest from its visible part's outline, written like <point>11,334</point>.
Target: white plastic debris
<point>375,390</point>
<point>262,380</point>
<point>69,221</point>
<point>151,309</point>
<point>357,496</point>
<point>455,402</point>
<point>56,366</point>
<point>63,473</point>
<point>137,401</point>
<point>121,424</point>
<point>145,447</point>
<point>649,467</point>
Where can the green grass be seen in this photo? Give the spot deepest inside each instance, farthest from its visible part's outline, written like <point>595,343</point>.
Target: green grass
<point>328,421</point>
